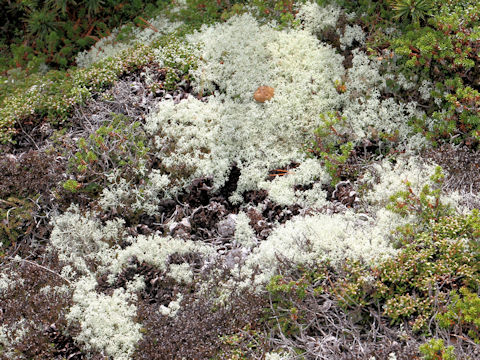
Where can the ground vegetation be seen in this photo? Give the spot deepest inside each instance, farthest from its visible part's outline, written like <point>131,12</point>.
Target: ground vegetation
<point>152,206</point>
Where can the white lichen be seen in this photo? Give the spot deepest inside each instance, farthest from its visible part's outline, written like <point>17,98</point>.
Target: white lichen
<point>367,115</point>
<point>12,335</point>
<point>312,239</point>
<point>172,308</point>
<point>315,18</point>
<point>425,90</point>
<point>8,282</point>
<point>121,194</point>
<point>282,188</point>
<point>244,234</point>
<point>156,250</point>
<point>111,46</point>
<point>206,138</point>
<point>181,273</point>
<point>106,321</point>
<point>81,240</point>
<point>352,34</point>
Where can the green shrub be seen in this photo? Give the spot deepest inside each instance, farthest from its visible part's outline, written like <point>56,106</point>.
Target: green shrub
<point>426,205</point>
<point>330,147</point>
<point>437,42</point>
<point>51,97</point>
<point>435,350</point>
<point>287,293</point>
<point>463,314</point>
<point>118,145</point>
<point>444,51</point>
<point>72,185</point>
<point>416,283</point>
<point>55,31</point>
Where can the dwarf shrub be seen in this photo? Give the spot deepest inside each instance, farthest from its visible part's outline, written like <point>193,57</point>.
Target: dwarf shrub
<point>435,350</point>
<point>416,283</point>
<point>330,146</point>
<point>285,294</point>
<point>119,145</point>
<point>463,314</point>
<point>426,203</point>
<point>52,97</point>
<point>16,220</point>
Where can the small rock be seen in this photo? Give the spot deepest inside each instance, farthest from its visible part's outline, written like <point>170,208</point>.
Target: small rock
<point>263,93</point>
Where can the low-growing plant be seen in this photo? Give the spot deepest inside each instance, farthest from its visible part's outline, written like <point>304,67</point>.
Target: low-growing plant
<point>435,349</point>
<point>16,220</point>
<point>331,147</point>
<point>415,10</point>
<point>72,185</point>
<point>117,145</point>
<point>33,322</point>
<point>436,42</point>
<point>241,345</point>
<point>444,51</point>
<point>282,290</point>
<point>55,31</point>
<point>462,314</point>
<point>372,14</point>
<point>426,204</point>
<point>283,11</point>
<point>50,98</point>
<point>416,283</point>
<point>177,60</point>
<point>286,296</point>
